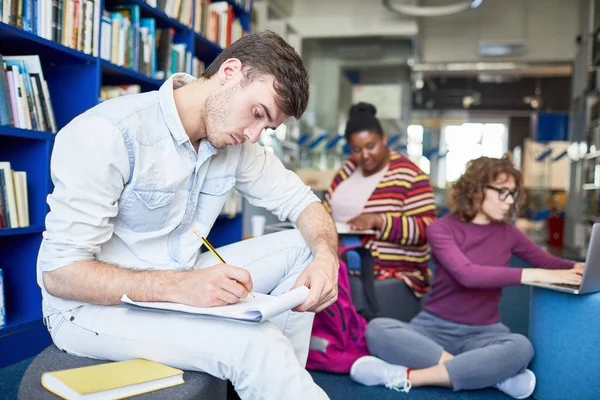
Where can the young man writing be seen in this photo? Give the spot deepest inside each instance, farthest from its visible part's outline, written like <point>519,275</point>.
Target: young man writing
<point>135,176</point>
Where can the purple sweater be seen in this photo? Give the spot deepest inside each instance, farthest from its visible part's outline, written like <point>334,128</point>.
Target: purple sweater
<point>471,268</point>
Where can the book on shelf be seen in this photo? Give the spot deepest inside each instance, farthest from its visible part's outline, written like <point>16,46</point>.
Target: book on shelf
<point>135,43</point>
<point>14,207</point>
<point>181,10</point>
<point>24,97</point>
<point>112,380</point>
<point>108,92</point>
<point>244,4</point>
<point>72,23</point>
<point>223,27</point>
<point>2,305</point>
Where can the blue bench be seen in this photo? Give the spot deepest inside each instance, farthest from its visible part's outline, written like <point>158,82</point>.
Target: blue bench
<point>565,331</point>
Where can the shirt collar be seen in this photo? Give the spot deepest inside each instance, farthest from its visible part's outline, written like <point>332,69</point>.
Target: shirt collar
<point>167,105</point>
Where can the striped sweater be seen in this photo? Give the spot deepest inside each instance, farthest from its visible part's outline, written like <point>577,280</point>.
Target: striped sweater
<point>405,199</point>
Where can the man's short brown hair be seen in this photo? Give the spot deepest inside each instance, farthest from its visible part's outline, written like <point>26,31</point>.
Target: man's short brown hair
<point>466,195</point>
<point>266,53</point>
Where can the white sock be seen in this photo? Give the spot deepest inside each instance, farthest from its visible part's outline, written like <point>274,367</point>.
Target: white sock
<point>519,386</point>
<point>372,371</point>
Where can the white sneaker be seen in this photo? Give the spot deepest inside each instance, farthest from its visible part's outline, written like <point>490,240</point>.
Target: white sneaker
<point>372,371</point>
<point>519,386</point>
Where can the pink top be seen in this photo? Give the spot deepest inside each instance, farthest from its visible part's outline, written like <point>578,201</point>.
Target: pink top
<point>350,197</point>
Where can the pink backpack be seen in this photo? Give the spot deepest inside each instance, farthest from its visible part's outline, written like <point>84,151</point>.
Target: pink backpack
<point>338,334</point>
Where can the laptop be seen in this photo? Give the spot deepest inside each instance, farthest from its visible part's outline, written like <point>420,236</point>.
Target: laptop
<point>590,282</point>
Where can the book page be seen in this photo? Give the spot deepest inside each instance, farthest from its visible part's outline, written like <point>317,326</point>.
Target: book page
<point>251,309</point>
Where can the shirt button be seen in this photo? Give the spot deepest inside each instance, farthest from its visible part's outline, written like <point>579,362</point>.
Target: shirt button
<point>218,189</point>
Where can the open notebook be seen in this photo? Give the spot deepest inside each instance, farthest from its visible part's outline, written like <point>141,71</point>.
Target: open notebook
<point>111,380</point>
<point>251,309</point>
<point>342,228</point>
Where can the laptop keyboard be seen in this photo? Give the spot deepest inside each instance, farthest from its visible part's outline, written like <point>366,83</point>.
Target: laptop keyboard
<point>567,285</point>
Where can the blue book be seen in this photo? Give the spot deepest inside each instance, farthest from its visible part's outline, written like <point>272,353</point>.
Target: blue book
<point>27,15</point>
<point>132,12</point>
<point>2,306</point>
<point>150,23</point>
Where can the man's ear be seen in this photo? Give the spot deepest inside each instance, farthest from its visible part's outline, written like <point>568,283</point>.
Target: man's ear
<point>229,70</point>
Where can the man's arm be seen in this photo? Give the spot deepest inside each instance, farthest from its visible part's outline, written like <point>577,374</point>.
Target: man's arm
<point>321,275</point>
<point>318,231</point>
<point>90,166</point>
<point>100,283</point>
<point>266,183</point>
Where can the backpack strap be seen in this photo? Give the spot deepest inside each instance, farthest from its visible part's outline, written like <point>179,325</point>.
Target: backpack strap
<point>367,277</point>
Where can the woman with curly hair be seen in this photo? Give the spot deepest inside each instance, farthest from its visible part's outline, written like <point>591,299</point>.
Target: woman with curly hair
<point>458,341</point>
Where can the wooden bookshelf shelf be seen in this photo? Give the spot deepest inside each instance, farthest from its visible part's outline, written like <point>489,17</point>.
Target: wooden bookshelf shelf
<point>206,49</point>
<point>18,323</point>
<point>21,231</point>
<point>121,75</point>
<point>25,133</point>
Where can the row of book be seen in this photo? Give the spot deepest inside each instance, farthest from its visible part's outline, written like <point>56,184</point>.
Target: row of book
<point>77,23</point>
<point>72,23</point>
<point>24,97</point>
<point>14,204</point>
<point>221,26</point>
<point>134,42</point>
<point>181,10</point>
<point>129,40</point>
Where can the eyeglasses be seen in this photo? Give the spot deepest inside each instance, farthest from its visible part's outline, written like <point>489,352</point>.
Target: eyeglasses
<point>503,193</point>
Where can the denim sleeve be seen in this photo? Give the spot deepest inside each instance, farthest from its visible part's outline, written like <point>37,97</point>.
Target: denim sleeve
<point>89,167</point>
<point>265,182</point>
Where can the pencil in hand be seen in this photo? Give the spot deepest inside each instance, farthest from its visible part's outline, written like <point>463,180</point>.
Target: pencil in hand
<point>214,252</point>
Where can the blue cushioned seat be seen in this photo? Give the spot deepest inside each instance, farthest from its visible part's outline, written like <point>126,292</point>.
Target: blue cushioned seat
<point>197,385</point>
<point>565,332</point>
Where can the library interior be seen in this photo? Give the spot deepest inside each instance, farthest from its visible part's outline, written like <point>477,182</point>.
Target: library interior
<point>300,199</point>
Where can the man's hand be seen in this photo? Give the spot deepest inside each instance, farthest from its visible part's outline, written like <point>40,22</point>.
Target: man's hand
<point>218,285</point>
<point>321,277</point>
<point>366,222</point>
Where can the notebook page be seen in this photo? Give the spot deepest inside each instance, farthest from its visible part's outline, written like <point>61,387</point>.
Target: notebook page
<point>286,301</point>
<point>250,309</point>
<point>344,229</point>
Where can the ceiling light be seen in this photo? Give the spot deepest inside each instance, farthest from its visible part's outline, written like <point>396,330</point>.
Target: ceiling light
<point>431,11</point>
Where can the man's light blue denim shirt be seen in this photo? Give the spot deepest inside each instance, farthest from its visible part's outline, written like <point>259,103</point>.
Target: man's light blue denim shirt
<point>129,188</point>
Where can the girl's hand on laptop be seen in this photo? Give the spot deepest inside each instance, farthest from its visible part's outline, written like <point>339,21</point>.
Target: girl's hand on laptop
<point>569,276</point>
<point>578,267</point>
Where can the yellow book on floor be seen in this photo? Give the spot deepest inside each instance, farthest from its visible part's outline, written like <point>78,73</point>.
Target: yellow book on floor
<point>113,380</point>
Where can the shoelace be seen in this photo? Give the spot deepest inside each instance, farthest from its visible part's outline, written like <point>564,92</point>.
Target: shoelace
<point>398,383</point>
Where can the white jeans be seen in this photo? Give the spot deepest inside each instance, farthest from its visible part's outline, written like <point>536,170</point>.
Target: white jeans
<point>263,361</point>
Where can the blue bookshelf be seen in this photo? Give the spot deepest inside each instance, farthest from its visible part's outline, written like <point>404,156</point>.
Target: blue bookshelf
<point>74,81</point>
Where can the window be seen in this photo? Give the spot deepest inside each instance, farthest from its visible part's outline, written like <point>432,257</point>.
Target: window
<point>414,147</point>
<point>468,141</point>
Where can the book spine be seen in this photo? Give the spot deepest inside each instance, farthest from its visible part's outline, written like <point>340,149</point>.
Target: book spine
<point>2,306</point>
